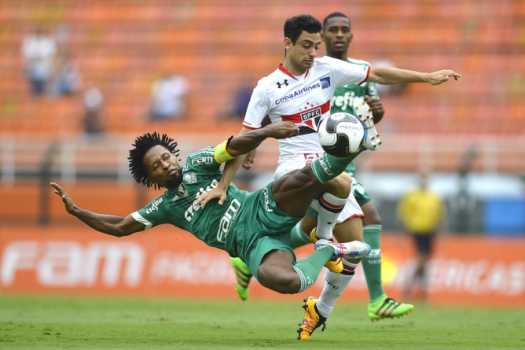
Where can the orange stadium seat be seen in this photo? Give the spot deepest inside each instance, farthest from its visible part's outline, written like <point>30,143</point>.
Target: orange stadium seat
<point>121,47</point>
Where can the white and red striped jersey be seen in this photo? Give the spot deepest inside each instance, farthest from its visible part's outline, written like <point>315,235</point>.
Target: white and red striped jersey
<point>303,100</point>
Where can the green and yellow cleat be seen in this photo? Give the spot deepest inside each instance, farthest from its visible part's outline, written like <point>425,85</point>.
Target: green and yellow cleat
<point>243,276</point>
<point>384,307</point>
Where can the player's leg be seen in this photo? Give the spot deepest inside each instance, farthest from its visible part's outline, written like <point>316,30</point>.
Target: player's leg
<point>425,245</point>
<point>294,191</point>
<point>412,280</point>
<point>279,273</point>
<point>318,310</point>
<point>300,234</point>
<point>329,205</point>
<point>339,186</point>
<point>372,234</point>
<point>243,276</point>
<point>329,202</point>
<point>277,270</point>
<point>380,305</point>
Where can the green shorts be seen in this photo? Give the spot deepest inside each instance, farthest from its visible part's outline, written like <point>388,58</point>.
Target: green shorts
<point>359,192</point>
<point>260,228</point>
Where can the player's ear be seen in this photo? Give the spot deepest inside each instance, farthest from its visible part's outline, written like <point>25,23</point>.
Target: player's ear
<point>287,43</point>
<point>322,36</point>
<point>351,37</point>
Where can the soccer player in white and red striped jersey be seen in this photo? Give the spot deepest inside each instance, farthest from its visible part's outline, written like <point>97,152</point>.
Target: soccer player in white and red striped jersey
<point>300,91</point>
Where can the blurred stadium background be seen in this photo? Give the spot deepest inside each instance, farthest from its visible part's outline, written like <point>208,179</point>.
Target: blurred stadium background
<point>470,132</point>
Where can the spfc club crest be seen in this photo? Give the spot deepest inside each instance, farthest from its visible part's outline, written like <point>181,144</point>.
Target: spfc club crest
<point>312,117</point>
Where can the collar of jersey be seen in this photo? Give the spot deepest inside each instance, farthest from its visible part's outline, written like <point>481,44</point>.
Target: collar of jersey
<point>282,69</point>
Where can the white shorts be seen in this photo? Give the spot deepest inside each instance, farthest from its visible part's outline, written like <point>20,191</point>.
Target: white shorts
<point>351,209</point>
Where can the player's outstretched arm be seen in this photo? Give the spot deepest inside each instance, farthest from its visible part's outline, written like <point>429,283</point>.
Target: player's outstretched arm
<point>117,226</point>
<point>249,141</point>
<point>390,75</point>
<point>246,141</point>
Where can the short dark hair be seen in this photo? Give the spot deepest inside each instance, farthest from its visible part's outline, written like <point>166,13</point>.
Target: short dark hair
<point>333,15</point>
<point>142,145</point>
<point>293,27</point>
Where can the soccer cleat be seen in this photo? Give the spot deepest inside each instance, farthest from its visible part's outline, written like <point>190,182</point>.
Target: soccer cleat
<point>242,277</point>
<point>384,307</point>
<point>352,250</point>
<point>311,321</point>
<point>364,113</point>
<point>336,263</point>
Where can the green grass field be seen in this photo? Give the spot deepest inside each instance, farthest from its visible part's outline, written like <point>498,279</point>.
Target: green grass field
<point>45,322</point>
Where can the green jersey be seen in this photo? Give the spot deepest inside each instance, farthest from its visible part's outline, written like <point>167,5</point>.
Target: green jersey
<point>200,174</point>
<point>247,224</point>
<point>341,102</point>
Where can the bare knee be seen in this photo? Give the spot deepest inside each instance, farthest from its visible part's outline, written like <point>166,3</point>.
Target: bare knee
<point>340,186</point>
<point>284,282</point>
<point>276,272</point>
<point>350,230</point>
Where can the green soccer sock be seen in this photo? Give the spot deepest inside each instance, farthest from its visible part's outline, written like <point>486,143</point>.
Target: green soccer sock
<point>308,269</point>
<point>327,167</point>
<point>298,237</point>
<point>372,263</point>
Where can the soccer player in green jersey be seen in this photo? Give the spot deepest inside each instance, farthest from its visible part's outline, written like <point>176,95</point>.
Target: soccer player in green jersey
<point>253,226</point>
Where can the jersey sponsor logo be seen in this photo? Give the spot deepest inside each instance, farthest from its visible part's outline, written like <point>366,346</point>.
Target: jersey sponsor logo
<point>325,82</point>
<point>285,83</point>
<point>344,102</point>
<point>193,208</point>
<point>294,94</point>
<point>190,178</point>
<point>227,219</point>
<point>154,206</point>
<point>202,160</point>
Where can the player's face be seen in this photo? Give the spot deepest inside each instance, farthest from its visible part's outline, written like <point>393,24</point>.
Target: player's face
<point>163,168</point>
<point>337,35</point>
<point>303,52</point>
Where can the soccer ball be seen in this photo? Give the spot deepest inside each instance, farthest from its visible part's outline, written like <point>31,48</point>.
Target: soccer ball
<point>341,134</point>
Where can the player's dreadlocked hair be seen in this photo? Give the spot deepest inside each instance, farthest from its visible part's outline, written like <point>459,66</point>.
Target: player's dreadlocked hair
<point>141,146</point>
<point>293,27</point>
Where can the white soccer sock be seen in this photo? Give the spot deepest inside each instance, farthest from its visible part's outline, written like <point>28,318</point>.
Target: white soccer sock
<point>334,286</point>
<point>329,209</point>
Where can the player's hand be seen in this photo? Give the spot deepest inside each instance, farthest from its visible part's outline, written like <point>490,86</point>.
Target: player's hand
<point>66,198</point>
<point>376,107</point>
<point>204,198</point>
<point>436,78</point>
<point>281,130</point>
<point>249,160</point>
